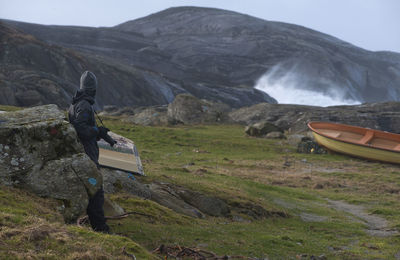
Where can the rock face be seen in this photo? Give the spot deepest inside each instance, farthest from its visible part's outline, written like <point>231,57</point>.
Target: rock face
<point>294,118</point>
<point>39,151</point>
<point>33,72</point>
<point>209,53</point>
<point>130,68</point>
<point>241,48</point>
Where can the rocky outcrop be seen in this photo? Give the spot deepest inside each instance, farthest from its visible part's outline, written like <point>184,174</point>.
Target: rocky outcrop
<point>187,109</point>
<point>182,200</point>
<point>209,205</point>
<point>263,118</point>
<point>150,116</point>
<point>294,118</point>
<point>179,199</point>
<point>261,129</point>
<point>39,152</point>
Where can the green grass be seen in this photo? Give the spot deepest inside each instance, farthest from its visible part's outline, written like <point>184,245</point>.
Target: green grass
<point>31,228</point>
<point>243,169</point>
<point>9,108</point>
<point>220,161</point>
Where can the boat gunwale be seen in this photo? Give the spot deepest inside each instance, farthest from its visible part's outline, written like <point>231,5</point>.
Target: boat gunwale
<point>309,124</point>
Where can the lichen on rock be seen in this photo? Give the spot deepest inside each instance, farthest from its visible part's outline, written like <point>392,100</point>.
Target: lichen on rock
<point>40,152</point>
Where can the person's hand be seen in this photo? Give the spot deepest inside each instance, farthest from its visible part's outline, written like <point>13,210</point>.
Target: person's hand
<point>103,131</point>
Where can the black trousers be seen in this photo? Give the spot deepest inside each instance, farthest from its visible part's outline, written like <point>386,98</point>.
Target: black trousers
<point>96,213</point>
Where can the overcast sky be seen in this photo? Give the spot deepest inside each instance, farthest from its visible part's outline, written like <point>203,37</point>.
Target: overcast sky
<point>370,24</point>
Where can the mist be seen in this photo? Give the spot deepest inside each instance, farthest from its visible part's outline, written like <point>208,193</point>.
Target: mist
<point>288,89</point>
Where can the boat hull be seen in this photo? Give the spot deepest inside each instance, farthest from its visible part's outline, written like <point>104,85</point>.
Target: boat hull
<point>356,150</point>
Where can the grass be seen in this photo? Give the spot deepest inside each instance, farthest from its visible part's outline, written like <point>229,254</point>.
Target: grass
<point>31,228</point>
<point>9,108</point>
<point>220,161</point>
<point>268,173</point>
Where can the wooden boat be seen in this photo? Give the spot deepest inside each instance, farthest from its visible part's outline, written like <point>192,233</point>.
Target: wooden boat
<point>357,141</point>
<point>122,156</point>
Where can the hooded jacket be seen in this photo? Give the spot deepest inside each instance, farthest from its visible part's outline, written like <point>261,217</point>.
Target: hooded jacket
<point>81,116</point>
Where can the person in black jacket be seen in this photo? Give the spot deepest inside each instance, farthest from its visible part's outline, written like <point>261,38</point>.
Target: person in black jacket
<point>81,116</point>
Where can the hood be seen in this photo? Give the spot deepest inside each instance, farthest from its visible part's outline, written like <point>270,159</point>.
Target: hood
<point>88,83</point>
<point>82,95</point>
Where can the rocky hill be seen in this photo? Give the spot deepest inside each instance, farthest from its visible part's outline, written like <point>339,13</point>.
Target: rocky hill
<point>210,53</point>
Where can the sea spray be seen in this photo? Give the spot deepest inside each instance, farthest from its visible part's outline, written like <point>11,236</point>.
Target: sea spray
<point>289,88</point>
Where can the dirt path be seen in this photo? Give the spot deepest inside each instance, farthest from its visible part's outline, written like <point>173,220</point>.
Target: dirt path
<point>376,226</point>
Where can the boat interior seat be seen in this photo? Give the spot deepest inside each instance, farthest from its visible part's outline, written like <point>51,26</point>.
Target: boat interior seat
<point>397,147</point>
<point>335,135</point>
<point>366,138</point>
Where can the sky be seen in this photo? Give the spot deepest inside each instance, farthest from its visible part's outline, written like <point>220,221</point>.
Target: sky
<point>370,24</point>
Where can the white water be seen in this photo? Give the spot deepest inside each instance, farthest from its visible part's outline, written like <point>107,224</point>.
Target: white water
<point>286,91</point>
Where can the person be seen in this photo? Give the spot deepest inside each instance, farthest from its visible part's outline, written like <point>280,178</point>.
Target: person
<point>81,116</point>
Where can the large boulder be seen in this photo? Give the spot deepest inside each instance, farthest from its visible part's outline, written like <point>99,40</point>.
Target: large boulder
<point>187,109</point>
<point>261,129</point>
<point>151,116</point>
<point>39,152</point>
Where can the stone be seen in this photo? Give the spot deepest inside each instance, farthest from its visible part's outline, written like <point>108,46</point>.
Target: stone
<point>275,135</point>
<point>179,199</point>
<point>167,196</point>
<point>261,128</point>
<point>111,208</point>
<point>119,181</point>
<point>306,145</point>
<point>51,162</point>
<point>187,109</point>
<point>110,109</point>
<point>151,116</point>
<point>206,204</point>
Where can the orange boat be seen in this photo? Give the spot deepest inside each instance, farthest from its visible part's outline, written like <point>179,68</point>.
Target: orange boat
<point>357,141</point>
